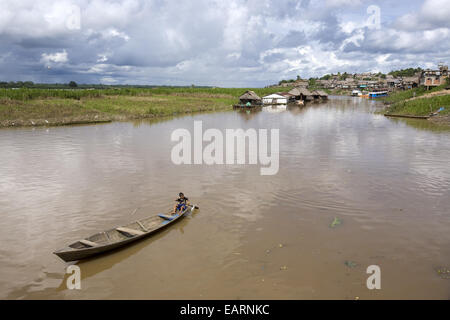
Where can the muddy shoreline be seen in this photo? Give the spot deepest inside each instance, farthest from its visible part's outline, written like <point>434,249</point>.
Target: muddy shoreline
<point>68,121</point>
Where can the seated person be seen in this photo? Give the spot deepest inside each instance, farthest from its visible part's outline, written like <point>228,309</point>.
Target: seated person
<point>182,202</point>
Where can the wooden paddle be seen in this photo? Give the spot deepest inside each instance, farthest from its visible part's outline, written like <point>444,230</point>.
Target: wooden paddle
<point>193,206</point>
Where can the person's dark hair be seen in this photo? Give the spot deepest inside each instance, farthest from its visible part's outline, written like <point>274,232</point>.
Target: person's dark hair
<point>180,194</point>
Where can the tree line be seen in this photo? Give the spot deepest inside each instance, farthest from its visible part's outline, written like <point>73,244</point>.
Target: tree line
<point>31,84</point>
<point>408,72</point>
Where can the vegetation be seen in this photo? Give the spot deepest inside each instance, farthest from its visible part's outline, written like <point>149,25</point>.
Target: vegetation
<point>409,72</point>
<point>422,106</point>
<point>25,94</point>
<point>400,96</point>
<point>289,80</point>
<point>312,82</point>
<point>343,76</point>
<point>286,81</point>
<point>32,106</point>
<point>418,102</point>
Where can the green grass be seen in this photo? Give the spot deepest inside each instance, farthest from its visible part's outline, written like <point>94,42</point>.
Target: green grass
<point>402,103</point>
<point>25,94</point>
<point>58,108</point>
<point>400,96</point>
<point>157,105</point>
<point>21,106</point>
<point>422,107</point>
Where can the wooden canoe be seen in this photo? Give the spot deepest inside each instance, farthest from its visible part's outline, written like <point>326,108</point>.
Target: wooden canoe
<point>118,237</point>
<point>405,116</point>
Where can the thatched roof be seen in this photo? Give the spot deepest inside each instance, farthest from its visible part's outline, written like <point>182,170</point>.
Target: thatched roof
<point>322,93</point>
<point>249,95</point>
<point>286,94</point>
<point>297,91</point>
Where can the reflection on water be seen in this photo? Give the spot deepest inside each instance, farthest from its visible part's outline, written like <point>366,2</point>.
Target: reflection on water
<point>255,236</point>
<point>423,125</point>
<point>275,108</point>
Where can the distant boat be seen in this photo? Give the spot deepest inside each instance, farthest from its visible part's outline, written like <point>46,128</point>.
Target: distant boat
<point>356,93</point>
<point>377,94</point>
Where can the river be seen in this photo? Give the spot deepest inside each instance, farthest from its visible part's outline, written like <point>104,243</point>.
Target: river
<point>255,236</point>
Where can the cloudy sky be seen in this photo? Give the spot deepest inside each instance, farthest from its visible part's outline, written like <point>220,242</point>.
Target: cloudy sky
<point>230,43</point>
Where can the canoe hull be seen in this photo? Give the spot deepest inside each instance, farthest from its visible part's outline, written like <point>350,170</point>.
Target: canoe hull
<point>68,254</point>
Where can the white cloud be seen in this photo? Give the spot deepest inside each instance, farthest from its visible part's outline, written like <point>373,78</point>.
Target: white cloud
<point>432,14</point>
<point>57,57</point>
<point>437,11</point>
<point>39,18</point>
<point>102,58</point>
<point>108,80</point>
<point>112,32</point>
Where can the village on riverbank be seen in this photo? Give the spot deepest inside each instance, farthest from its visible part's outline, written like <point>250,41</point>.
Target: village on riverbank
<point>395,80</point>
<point>410,93</point>
<point>416,93</point>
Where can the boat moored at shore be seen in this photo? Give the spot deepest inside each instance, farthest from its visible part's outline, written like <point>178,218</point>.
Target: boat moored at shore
<point>377,94</point>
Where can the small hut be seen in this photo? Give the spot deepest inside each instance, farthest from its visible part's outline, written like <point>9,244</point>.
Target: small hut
<point>289,97</point>
<point>250,97</point>
<point>323,95</point>
<point>316,95</point>
<point>301,93</point>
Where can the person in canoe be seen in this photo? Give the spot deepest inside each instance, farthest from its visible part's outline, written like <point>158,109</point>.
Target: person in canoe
<point>182,202</point>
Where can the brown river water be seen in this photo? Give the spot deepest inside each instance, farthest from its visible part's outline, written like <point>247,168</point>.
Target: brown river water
<point>255,236</point>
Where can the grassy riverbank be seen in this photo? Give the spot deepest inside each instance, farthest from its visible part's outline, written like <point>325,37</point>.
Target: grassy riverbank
<point>402,96</point>
<point>33,107</point>
<point>420,102</point>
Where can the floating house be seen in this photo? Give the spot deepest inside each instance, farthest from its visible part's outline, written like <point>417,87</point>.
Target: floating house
<point>319,95</point>
<point>249,99</point>
<point>315,95</point>
<point>287,95</point>
<point>301,93</point>
<point>274,99</point>
<point>323,95</point>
